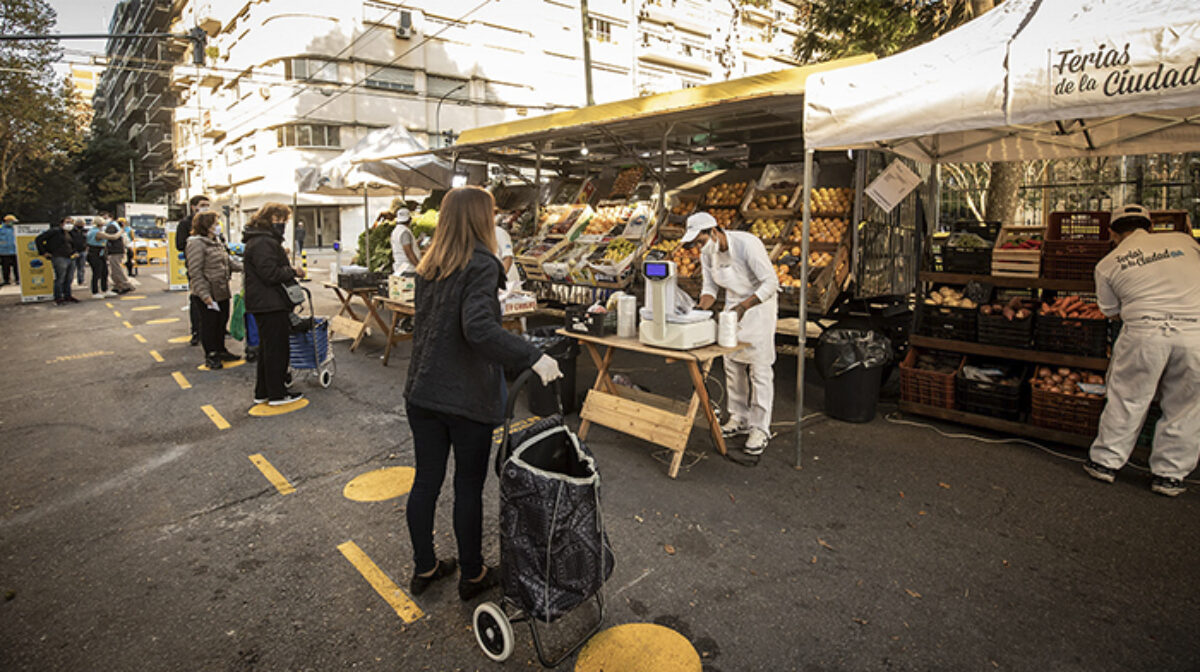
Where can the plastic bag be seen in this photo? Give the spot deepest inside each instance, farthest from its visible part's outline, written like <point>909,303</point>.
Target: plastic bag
<point>852,348</point>
<point>237,322</point>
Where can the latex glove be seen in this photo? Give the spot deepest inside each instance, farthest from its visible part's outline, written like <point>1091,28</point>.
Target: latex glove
<point>212,305</point>
<point>547,369</point>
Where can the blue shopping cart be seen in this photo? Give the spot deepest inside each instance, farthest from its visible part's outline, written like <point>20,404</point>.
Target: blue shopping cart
<point>308,347</point>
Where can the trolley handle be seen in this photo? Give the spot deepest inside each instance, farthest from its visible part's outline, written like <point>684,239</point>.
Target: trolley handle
<point>519,384</point>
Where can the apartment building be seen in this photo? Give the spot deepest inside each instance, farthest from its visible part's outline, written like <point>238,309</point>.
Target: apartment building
<point>291,83</point>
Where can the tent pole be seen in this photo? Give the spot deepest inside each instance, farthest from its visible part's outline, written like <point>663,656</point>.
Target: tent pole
<point>537,187</point>
<point>802,337</point>
<point>291,226</point>
<point>367,225</point>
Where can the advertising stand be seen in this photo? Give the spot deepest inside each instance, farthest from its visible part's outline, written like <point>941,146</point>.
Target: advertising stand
<point>37,275</point>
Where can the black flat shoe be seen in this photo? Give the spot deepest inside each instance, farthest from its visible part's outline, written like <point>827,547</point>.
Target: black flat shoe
<point>420,584</point>
<point>470,589</point>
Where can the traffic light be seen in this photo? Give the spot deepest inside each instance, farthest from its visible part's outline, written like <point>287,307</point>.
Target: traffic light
<point>448,138</point>
<point>199,40</point>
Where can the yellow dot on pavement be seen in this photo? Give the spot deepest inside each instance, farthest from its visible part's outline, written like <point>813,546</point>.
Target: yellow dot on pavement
<point>638,646</point>
<point>227,365</point>
<point>267,410</point>
<point>380,485</point>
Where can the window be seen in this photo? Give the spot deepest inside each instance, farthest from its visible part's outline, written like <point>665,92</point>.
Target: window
<point>600,30</point>
<point>312,69</point>
<point>309,135</point>
<point>393,79</point>
<point>436,87</point>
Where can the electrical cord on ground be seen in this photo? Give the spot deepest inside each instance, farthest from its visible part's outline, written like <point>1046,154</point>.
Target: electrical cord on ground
<point>891,417</point>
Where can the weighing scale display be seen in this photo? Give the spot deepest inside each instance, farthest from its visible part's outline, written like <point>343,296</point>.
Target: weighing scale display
<point>657,269</point>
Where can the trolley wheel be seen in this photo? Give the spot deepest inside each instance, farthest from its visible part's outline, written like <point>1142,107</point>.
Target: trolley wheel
<point>493,631</point>
<point>326,377</point>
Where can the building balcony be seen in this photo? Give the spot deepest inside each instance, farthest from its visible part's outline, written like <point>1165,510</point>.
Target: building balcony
<point>671,55</point>
<point>209,127</point>
<point>684,17</point>
<point>182,77</point>
<point>755,14</point>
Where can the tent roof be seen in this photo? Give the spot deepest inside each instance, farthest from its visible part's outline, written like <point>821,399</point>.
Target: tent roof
<point>1006,86</point>
<point>755,108</point>
<point>365,165</point>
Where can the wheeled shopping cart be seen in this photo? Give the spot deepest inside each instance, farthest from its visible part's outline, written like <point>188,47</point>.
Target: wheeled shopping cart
<point>554,553</point>
<point>308,347</point>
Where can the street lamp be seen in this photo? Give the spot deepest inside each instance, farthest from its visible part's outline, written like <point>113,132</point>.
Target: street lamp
<point>438,116</point>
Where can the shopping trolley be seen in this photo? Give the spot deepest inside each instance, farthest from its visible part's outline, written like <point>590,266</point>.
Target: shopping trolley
<point>308,346</point>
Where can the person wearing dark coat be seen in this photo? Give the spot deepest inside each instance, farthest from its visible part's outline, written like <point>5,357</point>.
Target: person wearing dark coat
<point>183,230</point>
<point>55,244</point>
<point>266,270</point>
<point>455,386</point>
<point>79,242</point>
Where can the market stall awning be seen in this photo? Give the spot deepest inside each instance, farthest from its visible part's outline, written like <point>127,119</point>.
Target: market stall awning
<point>369,163</point>
<point>738,110</point>
<point>1029,79</point>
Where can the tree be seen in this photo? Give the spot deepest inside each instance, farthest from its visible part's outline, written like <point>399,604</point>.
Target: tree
<point>103,166</point>
<point>841,28</point>
<point>38,116</point>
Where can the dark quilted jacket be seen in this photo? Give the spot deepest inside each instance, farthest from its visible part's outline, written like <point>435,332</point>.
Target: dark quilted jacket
<point>460,348</point>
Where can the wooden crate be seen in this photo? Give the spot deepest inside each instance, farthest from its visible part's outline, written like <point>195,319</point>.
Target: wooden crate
<point>788,210</point>
<point>1017,263</point>
<point>1170,220</point>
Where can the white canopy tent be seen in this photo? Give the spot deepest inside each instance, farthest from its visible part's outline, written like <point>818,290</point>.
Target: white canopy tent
<point>1031,79</point>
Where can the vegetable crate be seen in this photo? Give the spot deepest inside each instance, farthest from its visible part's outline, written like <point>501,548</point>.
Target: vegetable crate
<point>999,399</point>
<point>957,324</point>
<point>1065,412</point>
<point>1071,335</point>
<point>1075,242</point>
<point>767,203</point>
<point>929,388</point>
<point>999,330</point>
<point>972,260</point>
<point>1021,262</point>
<point>1170,220</point>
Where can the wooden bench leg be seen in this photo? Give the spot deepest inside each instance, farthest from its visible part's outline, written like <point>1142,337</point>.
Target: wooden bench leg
<point>701,397</point>
<point>391,336</point>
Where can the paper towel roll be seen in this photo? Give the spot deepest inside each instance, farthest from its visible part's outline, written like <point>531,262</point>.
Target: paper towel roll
<point>627,317</point>
<point>727,329</point>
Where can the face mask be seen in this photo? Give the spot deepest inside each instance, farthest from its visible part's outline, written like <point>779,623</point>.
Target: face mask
<point>281,228</point>
<point>710,246</point>
<point>68,227</point>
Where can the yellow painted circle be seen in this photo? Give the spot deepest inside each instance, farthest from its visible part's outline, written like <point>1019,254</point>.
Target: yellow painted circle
<point>179,339</point>
<point>266,410</point>
<point>228,365</point>
<point>380,485</point>
<point>638,647</point>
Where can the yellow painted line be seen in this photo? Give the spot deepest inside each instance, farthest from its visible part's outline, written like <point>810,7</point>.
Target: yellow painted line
<point>140,338</point>
<point>272,474</point>
<point>133,298</point>
<point>127,324</point>
<point>108,303</point>
<point>387,589</point>
<point>183,382</point>
<point>72,358</point>
<point>163,320</point>
<point>157,357</point>
<point>179,339</point>
<point>147,308</point>
<point>117,313</point>
<point>215,416</point>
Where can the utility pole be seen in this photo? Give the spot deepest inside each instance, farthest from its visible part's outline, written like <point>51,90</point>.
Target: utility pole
<point>132,182</point>
<point>587,51</point>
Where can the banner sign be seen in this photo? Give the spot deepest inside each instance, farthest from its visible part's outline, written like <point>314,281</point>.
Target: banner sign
<point>1112,72</point>
<point>37,274</point>
<point>176,264</point>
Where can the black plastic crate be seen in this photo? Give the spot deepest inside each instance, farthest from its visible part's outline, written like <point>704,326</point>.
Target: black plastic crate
<point>361,280</point>
<point>973,260</point>
<point>1071,335</point>
<point>997,400</point>
<point>989,230</point>
<point>957,324</point>
<point>999,330</point>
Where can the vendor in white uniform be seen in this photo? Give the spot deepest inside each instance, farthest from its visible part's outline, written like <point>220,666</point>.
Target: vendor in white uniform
<point>404,245</point>
<point>505,252</point>
<point>1152,281</point>
<point>737,262</point>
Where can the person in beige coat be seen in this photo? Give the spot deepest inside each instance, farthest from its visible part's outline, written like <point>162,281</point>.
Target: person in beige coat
<point>209,268</point>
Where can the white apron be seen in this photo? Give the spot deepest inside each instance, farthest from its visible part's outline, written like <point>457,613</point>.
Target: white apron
<point>757,326</point>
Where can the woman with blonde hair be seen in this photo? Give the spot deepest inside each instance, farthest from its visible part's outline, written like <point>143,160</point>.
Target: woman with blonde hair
<point>209,268</point>
<point>267,271</point>
<point>455,387</point>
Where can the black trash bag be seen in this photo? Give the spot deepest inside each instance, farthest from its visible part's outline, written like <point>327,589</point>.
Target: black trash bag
<point>553,344</point>
<point>554,553</point>
<point>843,350</point>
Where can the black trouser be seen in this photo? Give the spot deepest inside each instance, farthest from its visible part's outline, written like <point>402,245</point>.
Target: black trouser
<point>129,267</point>
<point>273,331</point>
<point>195,310</point>
<point>9,263</point>
<point>95,259</point>
<point>434,434</point>
<point>212,328</point>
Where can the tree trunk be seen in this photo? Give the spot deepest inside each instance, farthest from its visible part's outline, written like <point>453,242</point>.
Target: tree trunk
<point>1003,189</point>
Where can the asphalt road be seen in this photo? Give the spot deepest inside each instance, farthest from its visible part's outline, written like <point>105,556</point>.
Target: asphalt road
<point>137,535</point>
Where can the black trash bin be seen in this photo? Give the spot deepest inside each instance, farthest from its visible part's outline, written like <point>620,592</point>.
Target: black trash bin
<point>564,350</point>
<point>852,363</point>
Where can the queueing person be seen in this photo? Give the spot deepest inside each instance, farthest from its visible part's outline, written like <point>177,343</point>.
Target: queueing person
<point>114,252</point>
<point>127,231</point>
<point>455,386</point>
<point>209,269</point>
<point>79,242</point>
<point>196,205</point>
<point>266,271</point>
<point>55,244</point>
<point>98,262</point>
<point>404,244</point>
<point>8,250</point>
<point>1152,281</point>
<point>737,262</point>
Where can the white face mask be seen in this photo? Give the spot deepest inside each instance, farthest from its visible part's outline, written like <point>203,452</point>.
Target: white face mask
<point>68,227</point>
<point>711,246</point>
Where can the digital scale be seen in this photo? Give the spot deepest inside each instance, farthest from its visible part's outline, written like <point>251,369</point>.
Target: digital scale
<point>665,328</point>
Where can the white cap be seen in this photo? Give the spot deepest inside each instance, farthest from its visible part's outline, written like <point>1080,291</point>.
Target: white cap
<point>1130,210</point>
<point>403,215</point>
<point>701,221</point>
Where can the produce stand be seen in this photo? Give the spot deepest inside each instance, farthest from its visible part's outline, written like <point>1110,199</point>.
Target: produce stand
<point>650,417</point>
<point>346,322</point>
<point>402,309</point>
<point>1006,103</point>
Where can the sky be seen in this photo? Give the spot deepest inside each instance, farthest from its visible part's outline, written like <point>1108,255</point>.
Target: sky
<point>83,16</point>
